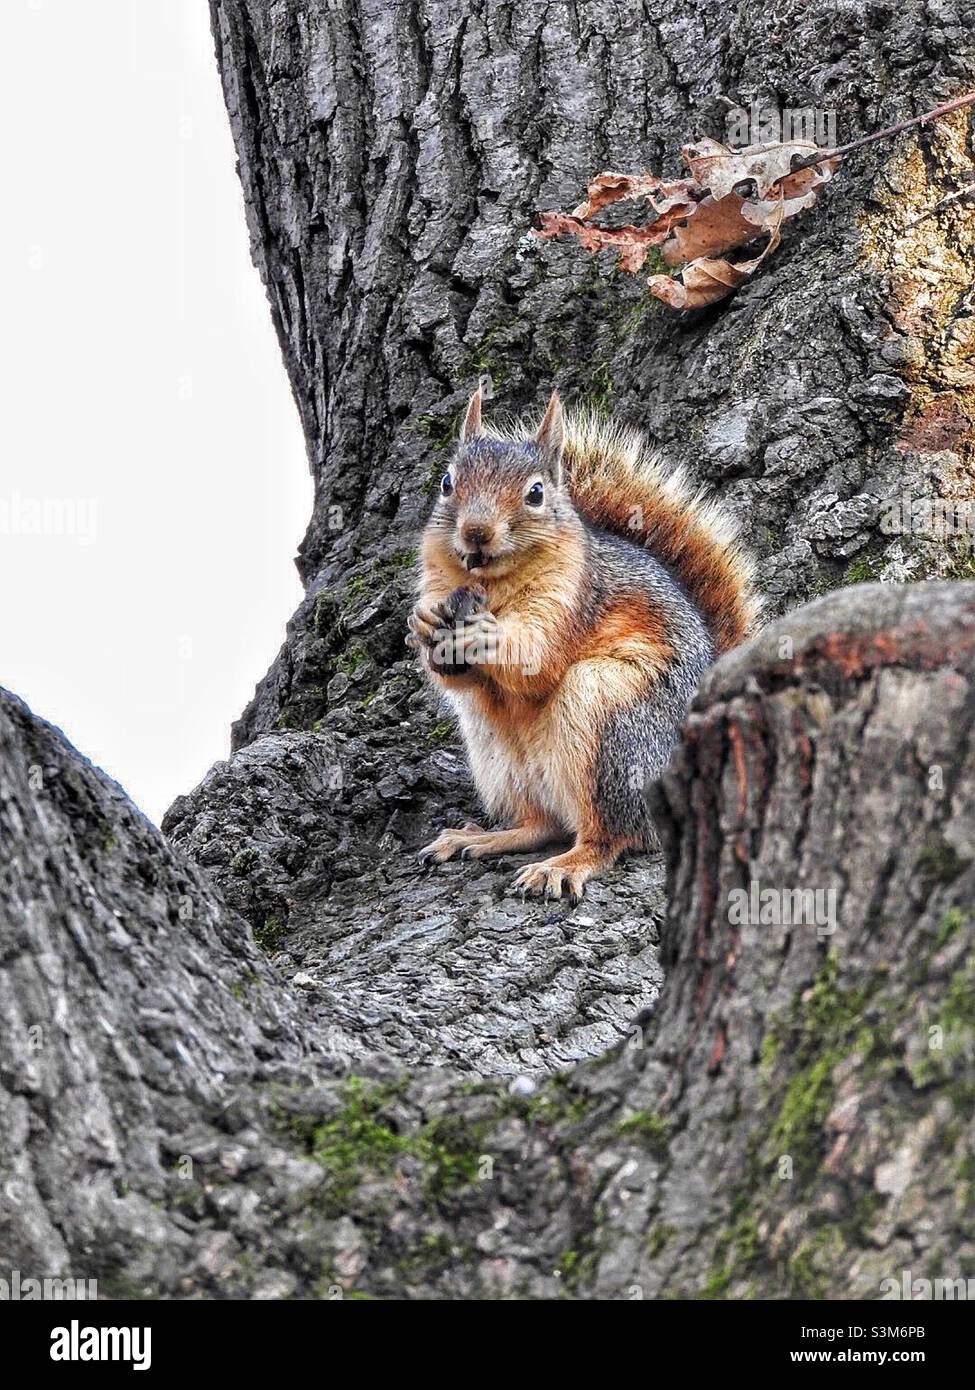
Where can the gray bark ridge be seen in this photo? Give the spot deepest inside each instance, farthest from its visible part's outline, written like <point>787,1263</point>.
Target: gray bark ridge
<point>133,1003</point>
<point>793,1119</point>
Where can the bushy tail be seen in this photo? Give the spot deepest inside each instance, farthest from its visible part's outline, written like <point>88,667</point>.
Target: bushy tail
<point>618,484</point>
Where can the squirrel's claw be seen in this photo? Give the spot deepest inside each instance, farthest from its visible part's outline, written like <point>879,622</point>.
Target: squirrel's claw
<point>422,627</point>
<point>470,842</point>
<point>549,880</point>
<point>447,844</point>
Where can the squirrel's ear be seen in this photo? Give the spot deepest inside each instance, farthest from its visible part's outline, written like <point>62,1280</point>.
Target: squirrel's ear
<point>551,434</point>
<point>472,427</point>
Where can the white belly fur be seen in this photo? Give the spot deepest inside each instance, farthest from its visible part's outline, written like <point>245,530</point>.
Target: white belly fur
<point>517,769</point>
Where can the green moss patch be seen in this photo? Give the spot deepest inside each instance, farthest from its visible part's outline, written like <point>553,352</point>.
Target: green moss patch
<point>362,1140</point>
<point>270,933</point>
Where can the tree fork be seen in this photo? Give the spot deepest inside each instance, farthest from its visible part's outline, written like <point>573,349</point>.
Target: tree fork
<point>799,1091</point>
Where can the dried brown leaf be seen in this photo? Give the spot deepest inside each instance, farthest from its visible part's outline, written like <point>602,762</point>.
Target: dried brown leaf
<point>795,193</point>
<point>696,227</point>
<point>720,169</point>
<point>804,179</point>
<point>632,243</point>
<point>699,284</point>
<point>707,280</point>
<point>611,188</point>
<point>715,227</point>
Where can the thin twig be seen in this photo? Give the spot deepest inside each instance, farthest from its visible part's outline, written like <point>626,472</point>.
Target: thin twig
<point>967,192</point>
<point>841,150</point>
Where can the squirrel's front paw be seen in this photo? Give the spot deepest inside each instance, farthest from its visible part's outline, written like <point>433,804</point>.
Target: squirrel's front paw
<point>424,624</point>
<point>428,619</point>
<point>456,633</point>
<point>475,641</point>
<point>550,878</point>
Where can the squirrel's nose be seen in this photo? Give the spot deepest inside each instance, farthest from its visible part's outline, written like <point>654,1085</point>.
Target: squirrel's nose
<point>476,534</point>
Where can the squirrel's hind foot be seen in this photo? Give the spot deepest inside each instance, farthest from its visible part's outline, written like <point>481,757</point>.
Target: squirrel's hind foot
<point>474,843</point>
<point>569,872</point>
<point>448,843</point>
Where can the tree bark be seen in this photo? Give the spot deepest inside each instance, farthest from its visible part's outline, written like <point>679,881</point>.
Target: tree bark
<point>371,1109</point>
<point>393,158</point>
<point>793,1120</point>
<point>394,155</point>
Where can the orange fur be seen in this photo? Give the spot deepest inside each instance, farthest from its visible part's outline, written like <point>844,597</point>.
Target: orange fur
<point>533,604</point>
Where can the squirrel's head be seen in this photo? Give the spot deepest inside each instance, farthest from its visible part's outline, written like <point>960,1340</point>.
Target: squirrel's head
<point>500,499</point>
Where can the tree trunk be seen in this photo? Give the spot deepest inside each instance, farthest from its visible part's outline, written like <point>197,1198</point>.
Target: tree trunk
<point>393,159</point>
<point>371,1109</point>
<point>795,1118</point>
<point>394,156</point>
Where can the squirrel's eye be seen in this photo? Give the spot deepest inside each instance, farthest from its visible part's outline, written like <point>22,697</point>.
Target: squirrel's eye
<point>446,486</point>
<point>535,495</point>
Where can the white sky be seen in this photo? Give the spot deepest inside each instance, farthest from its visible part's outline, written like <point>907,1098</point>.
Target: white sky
<point>142,396</point>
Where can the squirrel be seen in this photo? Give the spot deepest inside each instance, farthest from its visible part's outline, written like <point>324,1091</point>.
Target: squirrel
<point>572,594</point>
